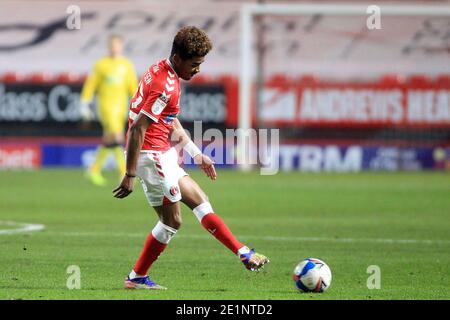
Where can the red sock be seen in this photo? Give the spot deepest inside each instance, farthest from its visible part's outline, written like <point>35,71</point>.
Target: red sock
<point>151,251</point>
<point>215,225</point>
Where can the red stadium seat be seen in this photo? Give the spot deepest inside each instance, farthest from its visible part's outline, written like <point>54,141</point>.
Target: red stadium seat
<point>41,77</point>
<point>418,80</point>
<point>279,80</point>
<point>308,80</point>
<point>392,79</point>
<point>68,77</point>
<point>443,80</point>
<point>12,77</point>
<point>227,78</point>
<point>201,79</point>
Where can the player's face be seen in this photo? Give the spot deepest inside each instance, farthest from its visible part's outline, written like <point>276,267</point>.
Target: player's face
<point>186,69</point>
<point>115,47</point>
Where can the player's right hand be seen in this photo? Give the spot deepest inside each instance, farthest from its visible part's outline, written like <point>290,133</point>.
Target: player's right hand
<point>86,112</point>
<point>207,165</point>
<point>125,187</point>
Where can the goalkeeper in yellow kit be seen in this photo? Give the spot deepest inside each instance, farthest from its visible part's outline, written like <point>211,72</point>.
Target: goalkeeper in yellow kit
<point>113,81</point>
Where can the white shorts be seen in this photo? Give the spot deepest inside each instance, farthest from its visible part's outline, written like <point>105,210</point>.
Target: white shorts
<point>159,174</point>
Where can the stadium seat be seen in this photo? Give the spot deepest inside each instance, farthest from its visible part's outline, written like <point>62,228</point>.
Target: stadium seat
<point>308,80</point>
<point>227,78</point>
<point>68,77</point>
<point>202,79</point>
<point>392,79</point>
<point>419,80</point>
<point>443,80</point>
<point>12,77</point>
<point>277,80</point>
<point>41,77</point>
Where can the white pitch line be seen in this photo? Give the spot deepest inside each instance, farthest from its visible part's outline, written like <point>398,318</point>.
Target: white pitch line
<point>350,240</point>
<point>268,238</point>
<point>20,227</point>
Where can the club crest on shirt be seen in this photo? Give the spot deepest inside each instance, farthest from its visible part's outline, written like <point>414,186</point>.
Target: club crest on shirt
<point>174,190</point>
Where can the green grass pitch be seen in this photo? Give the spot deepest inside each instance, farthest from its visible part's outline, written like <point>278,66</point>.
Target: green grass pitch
<point>399,222</point>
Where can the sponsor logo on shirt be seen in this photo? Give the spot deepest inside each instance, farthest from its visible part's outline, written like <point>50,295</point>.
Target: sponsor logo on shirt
<point>159,104</point>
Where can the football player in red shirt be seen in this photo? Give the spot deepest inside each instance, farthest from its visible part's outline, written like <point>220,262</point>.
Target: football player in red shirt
<point>151,159</point>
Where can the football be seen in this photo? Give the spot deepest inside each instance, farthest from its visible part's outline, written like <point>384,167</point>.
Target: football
<point>312,275</point>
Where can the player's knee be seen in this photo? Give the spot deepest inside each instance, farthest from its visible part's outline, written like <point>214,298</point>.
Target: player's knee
<point>173,221</point>
<point>177,221</point>
<point>163,232</point>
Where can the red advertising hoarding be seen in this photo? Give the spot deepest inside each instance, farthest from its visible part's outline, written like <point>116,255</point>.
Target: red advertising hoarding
<point>20,156</point>
<point>356,104</point>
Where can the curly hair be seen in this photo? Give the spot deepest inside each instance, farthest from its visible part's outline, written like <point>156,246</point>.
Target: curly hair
<point>191,42</point>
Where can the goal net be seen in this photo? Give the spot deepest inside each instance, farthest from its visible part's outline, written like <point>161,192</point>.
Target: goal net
<point>347,75</point>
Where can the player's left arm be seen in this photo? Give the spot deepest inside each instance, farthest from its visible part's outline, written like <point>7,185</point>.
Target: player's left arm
<point>200,159</point>
<point>136,138</point>
<point>87,92</point>
<point>91,84</point>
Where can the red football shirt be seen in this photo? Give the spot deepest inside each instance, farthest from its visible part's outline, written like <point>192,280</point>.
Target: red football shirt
<point>157,97</point>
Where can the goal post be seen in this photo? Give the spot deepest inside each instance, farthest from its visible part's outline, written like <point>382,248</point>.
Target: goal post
<point>247,61</point>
